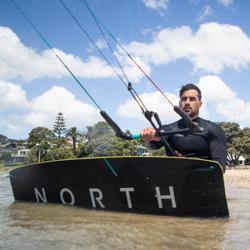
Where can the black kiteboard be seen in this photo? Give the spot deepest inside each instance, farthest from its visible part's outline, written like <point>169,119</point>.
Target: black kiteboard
<point>151,185</point>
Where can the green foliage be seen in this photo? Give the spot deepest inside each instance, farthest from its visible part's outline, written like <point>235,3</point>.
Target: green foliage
<point>40,140</point>
<point>32,156</point>
<point>50,155</point>
<point>39,135</point>
<point>73,133</point>
<point>238,141</point>
<point>246,143</point>
<point>99,140</point>
<point>12,164</point>
<point>58,154</point>
<point>158,152</point>
<point>6,156</point>
<point>82,150</point>
<point>59,127</point>
<point>232,130</point>
<point>60,141</point>
<point>103,142</point>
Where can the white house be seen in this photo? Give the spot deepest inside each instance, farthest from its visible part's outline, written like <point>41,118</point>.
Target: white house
<point>20,155</point>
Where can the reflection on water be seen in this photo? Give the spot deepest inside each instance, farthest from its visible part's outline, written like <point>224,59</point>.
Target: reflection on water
<point>39,226</point>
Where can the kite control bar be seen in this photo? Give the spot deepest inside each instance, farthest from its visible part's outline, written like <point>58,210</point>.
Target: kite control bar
<point>128,136</point>
<point>118,132</point>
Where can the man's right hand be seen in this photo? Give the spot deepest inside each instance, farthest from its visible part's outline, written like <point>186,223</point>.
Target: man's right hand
<point>148,134</point>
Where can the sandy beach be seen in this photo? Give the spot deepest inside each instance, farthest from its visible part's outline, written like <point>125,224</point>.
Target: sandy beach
<point>238,177</point>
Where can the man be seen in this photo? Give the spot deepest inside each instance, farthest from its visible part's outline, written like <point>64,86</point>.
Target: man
<point>208,144</point>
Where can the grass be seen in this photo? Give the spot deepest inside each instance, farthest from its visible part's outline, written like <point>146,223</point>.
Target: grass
<point>7,166</point>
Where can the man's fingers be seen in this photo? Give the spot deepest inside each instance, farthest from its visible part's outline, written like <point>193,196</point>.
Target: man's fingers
<point>148,134</point>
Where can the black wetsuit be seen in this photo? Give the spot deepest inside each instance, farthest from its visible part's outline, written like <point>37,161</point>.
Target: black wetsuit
<point>209,144</point>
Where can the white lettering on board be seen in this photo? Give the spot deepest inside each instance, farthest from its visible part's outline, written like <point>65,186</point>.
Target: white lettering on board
<point>160,197</point>
<point>40,197</point>
<point>72,202</point>
<point>97,198</point>
<point>127,192</point>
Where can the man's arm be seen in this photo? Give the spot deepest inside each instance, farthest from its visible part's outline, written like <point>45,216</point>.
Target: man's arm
<point>218,147</point>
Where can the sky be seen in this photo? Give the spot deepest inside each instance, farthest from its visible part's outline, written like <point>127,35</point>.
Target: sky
<point>206,42</point>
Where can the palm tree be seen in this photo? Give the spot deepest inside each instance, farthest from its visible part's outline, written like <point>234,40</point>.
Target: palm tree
<point>73,133</point>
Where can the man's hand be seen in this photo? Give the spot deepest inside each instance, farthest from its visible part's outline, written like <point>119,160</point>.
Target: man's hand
<point>148,134</point>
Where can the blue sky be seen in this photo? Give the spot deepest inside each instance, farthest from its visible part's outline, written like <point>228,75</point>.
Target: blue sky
<point>175,41</point>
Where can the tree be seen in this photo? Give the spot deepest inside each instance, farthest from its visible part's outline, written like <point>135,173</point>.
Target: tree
<point>158,152</point>
<point>103,142</point>
<point>6,156</point>
<point>59,127</point>
<point>40,140</point>
<point>73,133</point>
<point>39,135</point>
<point>58,154</point>
<point>246,143</point>
<point>82,150</point>
<point>234,135</point>
<point>32,156</point>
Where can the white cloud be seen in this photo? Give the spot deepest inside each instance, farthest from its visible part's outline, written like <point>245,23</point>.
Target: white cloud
<point>45,107</point>
<point>42,110</point>
<point>20,62</point>
<point>101,43</point>
<point>194,1</point>
<point>12,96</point>
<point>208,49</point>
<point>158,5</point>
<point>225,3</point>
<point>220,99</point>
<point>220,103</point>
<point>30,64</point>
<point>211,48</point>
<point>131,70</point>
<point>12,123</point>
<point>206,11</point>
<point>154,102</point>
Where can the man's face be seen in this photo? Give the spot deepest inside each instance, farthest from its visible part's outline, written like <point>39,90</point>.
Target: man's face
<point>190,103</point>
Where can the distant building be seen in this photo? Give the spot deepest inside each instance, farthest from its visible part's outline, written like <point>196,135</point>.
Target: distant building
<point>142,151</point>
<point>243,161</point>
<point>20,155</point>
<point>10,152</point>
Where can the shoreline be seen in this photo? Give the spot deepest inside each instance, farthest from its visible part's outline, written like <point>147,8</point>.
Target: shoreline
<point>238,177</point>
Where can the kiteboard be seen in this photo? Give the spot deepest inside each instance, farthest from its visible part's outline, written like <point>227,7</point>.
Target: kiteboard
<point>175,186</point>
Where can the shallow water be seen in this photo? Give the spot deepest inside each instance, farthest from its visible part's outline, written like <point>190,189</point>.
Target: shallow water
<point>43,226</point>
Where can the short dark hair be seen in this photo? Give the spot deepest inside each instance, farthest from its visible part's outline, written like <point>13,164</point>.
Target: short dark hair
<point>188,87</point>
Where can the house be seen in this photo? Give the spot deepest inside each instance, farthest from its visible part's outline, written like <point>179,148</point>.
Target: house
<point>243,161</point>
<point>12,153</point>
<point>142,151</point>
<point>20,155</point>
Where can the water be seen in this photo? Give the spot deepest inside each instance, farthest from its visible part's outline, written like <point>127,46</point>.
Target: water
<point>40,226</point>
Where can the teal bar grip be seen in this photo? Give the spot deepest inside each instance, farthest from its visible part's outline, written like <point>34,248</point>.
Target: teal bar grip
<point>136,136</point>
